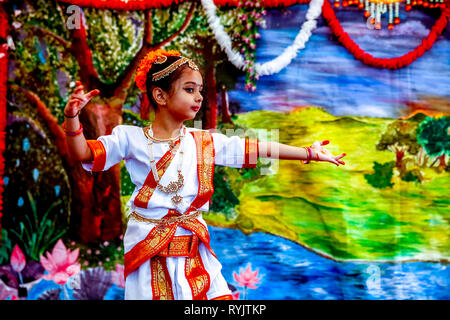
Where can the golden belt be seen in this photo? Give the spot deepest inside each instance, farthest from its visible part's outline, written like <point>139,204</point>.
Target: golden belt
<point>165,221</point>
<point>181,246</point>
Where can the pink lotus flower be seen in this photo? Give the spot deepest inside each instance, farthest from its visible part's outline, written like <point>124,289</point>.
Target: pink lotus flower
<point>247,278</point>
<point>61,263</point>
<point>17,259</point>
<point>118,276</point>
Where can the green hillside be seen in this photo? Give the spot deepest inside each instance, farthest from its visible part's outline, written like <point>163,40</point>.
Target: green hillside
<point>334,210</point>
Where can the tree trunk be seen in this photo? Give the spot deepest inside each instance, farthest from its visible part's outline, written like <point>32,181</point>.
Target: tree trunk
<point>96,196</point>
<point>442,163</point>
<point>210,115</point>
<point>225,107</point>
<point>399,159</point>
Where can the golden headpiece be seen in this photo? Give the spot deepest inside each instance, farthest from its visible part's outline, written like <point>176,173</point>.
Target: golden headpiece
<point>159,57</point>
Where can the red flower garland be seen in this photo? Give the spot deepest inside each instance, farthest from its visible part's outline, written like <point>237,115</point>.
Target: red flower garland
<point>327,12</point>
<point>386,63</point>
<point>3,79</point>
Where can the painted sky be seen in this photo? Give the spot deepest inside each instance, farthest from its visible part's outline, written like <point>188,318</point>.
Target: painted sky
<point>325,74</point>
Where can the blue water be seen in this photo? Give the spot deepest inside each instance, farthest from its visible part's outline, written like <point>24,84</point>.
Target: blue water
<point>325,74</point>
<point>289,271</point>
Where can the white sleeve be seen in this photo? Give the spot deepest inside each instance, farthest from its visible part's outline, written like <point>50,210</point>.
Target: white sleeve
<point>108,150</point>
<point>235,151</point>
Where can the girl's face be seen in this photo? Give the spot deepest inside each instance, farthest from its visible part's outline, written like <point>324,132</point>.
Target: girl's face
<point>184,99</point>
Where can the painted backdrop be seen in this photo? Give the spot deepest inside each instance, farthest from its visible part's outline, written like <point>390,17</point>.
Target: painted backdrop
<point>376,228</point>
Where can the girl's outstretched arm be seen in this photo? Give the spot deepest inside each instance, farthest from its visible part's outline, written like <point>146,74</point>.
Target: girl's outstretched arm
<point>277,150</point>
<point>76,142</point>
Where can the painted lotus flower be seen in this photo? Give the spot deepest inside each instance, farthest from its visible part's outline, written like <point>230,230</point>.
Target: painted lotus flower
<point>61,263</point>
<point>17,259</point>
<point>118,276</point>
<point>247,278</point>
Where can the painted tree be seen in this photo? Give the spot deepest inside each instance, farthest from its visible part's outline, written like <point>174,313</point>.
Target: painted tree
<point>399,138</point>
<point>199,43</point>
<point>56,44</point>
<point>101,45</point>
<point>434,136</point>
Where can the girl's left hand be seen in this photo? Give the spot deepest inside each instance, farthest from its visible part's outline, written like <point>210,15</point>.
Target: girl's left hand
<point>322,154</point>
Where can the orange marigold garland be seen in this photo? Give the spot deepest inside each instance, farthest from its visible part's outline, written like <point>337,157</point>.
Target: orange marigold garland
<point>146,64</point>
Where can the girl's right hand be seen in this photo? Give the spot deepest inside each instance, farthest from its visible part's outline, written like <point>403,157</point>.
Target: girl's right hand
<point>78,100</point>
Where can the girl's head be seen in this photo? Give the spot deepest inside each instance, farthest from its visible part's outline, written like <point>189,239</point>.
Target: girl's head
<point>159,73</point>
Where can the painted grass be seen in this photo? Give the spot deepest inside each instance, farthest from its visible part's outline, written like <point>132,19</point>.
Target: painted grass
<point>333,210</point>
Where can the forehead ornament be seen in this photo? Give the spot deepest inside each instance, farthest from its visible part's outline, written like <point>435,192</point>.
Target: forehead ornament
<point>174,66</point>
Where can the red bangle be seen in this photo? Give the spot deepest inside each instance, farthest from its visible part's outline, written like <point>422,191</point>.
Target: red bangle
<point>72,133</point>
<point>308,150</point>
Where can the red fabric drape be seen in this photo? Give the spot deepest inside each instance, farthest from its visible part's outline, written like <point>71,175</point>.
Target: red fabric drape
<point>3,78</point>
<point>146,4</point>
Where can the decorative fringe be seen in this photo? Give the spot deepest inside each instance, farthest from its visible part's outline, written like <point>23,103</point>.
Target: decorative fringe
<point>385,63</point>
<point>376,8</point>
<point>130,5</point>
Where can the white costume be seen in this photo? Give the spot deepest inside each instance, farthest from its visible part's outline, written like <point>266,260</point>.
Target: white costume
<point>129,143</point>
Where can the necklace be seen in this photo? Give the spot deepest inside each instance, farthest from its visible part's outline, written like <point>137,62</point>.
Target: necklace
<point>149,134</point>
<point>173,186</point>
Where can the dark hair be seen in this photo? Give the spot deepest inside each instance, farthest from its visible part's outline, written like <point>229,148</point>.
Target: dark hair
<point>164,83</point>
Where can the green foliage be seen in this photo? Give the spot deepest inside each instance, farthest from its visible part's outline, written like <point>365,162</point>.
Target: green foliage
<point>399,134</point>
<point>133,119</point>
<point>126,185</point>
<point>411,176</point>
<point>106,254</point>
<point>191,43</point>
<point>168,20</point>
<point>433,135</point>
<point>114,40</point>
<point>6,247</point>
<point>223,199</point>
<point>39,61</point>
<point>32,165</point>
<point>382,176</point>
<point>37,234</point>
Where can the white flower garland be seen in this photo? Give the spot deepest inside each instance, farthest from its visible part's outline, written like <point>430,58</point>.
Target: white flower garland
<point>280,62</point>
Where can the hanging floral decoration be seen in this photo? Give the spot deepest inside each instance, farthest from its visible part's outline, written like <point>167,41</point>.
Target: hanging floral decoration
<point>386,63</point>
<point>251,14</point>
<point>275,65</point>
<point>374,9</point>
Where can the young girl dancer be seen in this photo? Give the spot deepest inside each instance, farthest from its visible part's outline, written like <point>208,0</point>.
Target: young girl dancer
<point>167,250</point>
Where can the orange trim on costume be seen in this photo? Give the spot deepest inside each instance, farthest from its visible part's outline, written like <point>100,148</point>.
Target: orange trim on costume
<point>146,192</point>
<point>224,297</point>
<point>197,277</point>
<point>201,231</point>
<point>251,153</point>
<point>205,168</point>
<point>157,239</point>
<point>99,152</point>
<point>181,246</point>
<point>161,283</point>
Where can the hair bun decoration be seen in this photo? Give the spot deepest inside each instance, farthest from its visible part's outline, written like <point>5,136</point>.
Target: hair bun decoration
<point>158,56</point>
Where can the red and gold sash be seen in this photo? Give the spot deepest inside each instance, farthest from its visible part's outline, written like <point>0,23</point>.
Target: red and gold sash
<point>160,237</point>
